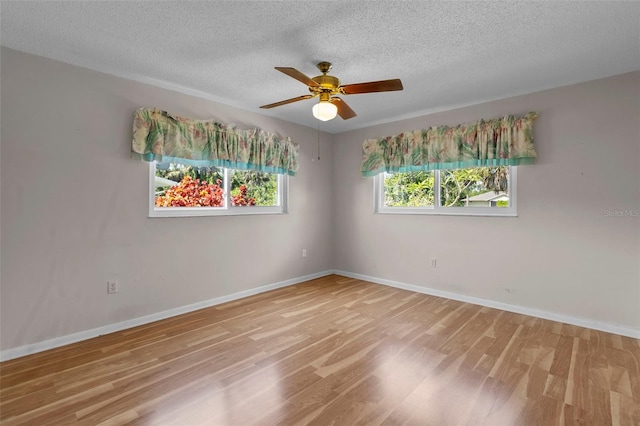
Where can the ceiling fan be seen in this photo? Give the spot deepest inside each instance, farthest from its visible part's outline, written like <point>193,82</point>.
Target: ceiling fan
<point>327,86</point>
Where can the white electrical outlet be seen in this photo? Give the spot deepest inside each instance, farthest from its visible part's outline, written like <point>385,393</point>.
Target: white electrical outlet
<point>434,262</point>
<point>304,252</point>
<point>112,287</point>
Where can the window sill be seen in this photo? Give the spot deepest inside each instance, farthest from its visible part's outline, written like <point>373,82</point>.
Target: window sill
<point>451,211</point>
<point>207,211</point>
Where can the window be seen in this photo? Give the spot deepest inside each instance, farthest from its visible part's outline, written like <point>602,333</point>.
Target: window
<point>482,191</point>
<point>180,190</point>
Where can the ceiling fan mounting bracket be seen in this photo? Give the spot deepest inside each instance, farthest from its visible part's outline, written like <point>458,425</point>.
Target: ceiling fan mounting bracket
<point>324,67</point>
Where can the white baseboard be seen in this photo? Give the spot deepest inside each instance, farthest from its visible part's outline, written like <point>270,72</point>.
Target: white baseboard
<point>111,328</point>
<point>582,322</point>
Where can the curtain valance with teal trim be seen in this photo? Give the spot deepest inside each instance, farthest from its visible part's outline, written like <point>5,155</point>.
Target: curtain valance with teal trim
<point>160,136</point>
<point>506,141</point>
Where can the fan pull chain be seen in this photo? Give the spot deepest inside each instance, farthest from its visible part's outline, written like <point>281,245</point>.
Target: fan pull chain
<point>318,140</point>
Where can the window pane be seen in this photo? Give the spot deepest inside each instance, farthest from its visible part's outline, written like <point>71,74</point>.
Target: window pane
<point>413,189</point>
<point>249,188</point>
<point>177,185</point>
<point>475,187</point>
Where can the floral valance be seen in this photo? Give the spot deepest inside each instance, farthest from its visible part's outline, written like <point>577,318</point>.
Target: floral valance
<point>160,136</point>
<point>506,141</point>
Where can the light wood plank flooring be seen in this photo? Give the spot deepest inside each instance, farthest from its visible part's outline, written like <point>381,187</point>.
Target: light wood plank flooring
<point>332,351</point>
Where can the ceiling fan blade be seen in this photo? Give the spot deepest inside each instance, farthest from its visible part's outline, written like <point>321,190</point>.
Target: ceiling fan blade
<point>288,101</point>
<point>372,86</point>
<point>344,110</point>
<point>292,72</point>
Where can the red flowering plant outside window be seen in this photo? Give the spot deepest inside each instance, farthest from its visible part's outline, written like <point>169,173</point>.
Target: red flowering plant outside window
<point>189,188</point>
<point>190,192</point>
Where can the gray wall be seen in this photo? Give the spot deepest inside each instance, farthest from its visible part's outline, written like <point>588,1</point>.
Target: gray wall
<point>562,254</point>
<point>74,208</point>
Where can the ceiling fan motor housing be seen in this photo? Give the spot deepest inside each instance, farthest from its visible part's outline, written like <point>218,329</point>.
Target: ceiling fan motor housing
<point>325,83</point>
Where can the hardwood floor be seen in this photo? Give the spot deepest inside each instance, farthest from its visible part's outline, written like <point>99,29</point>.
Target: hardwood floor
<point>332,351</point>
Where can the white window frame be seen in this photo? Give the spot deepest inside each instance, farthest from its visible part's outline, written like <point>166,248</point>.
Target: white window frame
<point>227,210</point>
<point>437,209</point>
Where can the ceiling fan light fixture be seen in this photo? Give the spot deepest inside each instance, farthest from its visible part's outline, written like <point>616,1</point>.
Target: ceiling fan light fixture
<point>324,111</point>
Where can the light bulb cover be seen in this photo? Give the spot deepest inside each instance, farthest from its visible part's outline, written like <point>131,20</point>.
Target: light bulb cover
<point>324,111</point>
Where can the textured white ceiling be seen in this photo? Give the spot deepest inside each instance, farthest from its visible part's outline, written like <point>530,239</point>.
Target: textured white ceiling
<point>447,54</point>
